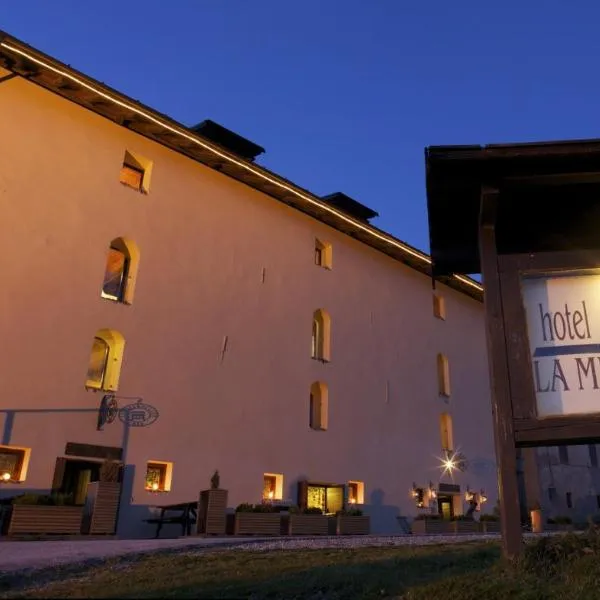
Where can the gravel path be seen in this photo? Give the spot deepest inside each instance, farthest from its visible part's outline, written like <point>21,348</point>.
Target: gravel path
<point>18,556</point>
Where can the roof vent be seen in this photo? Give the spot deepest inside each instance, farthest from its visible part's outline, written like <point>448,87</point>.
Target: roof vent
<point>350,206</point>
<point>228,139</point>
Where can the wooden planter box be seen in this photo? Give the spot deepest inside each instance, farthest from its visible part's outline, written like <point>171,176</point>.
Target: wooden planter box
<point>102,508</point>
<point>352,525</point>
<point>56,520</point>
<point>212,509</point>
<point>466,526</point>
<point>490,526</point>
<point>257,524</point>
<point>431,526</point>
<point>308,525</point>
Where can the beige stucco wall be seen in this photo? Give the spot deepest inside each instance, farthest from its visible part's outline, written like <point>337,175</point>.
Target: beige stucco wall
<point>204,241</point>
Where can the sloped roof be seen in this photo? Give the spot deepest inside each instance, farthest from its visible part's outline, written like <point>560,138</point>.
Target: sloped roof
<point>77,87</point>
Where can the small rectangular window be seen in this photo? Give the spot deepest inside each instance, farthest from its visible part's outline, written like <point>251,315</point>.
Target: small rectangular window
<point>323,254</point>
<point>569,500</point>
<point>158,476</point>
<point>13,464</point>
<point>135,172</point>
<point>593,455</point>
<point>356,492</point>
<point>443,375</point>
<point>552,494</point>
<point>563,455</point>
<point>439,307</point>
<point>598,500</point>
<point>272,486</point>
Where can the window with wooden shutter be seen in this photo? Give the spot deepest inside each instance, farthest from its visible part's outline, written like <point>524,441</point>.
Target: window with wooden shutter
<point>135,172</point>
<point>443,375</point>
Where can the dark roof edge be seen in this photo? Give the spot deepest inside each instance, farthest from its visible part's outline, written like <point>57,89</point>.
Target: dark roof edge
<point>162,129</point>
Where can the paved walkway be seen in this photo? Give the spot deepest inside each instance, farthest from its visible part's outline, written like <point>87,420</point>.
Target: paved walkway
<point>16,556</point>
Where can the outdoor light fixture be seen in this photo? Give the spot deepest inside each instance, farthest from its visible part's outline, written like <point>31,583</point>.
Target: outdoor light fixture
<point>482,496</point>
<point>469,495</point>
<point>6,476</point>
<point>432,492</point>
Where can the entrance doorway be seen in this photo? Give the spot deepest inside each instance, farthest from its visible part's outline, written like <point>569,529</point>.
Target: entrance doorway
<point>329,498</point>
<point>76,475</point>
<point>445,507</point>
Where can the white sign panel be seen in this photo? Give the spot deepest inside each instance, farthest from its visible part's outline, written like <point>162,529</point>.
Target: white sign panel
<point>563,322</point>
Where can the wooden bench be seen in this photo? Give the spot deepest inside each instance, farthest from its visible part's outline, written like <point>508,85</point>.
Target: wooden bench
<point>186,518</point>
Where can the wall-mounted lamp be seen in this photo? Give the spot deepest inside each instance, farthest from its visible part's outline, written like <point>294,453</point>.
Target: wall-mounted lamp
<point>469,495</point>
<point>482,496</point>
<point>419,495</point>
<point>432,492</point>
<point>6,477</point>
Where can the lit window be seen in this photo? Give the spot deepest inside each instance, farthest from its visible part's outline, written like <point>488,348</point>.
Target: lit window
<point>272,486</point>
<point>446,432</point>
<point>323,254</point>
<point>439,307</point>
<point>443,375</point>
<point>319,406</point>
<point>135,172</point>
<point>13,463</point>
<point>321,336</point>
<point>104,367</point>
<point>356,492</point>
<point>158,476</point>
<point>121,271</point>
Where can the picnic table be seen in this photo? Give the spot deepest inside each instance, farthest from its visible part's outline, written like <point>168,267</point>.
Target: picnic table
<point>185,515</point>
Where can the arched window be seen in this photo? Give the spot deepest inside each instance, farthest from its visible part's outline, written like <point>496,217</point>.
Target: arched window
<point>446,432</point>
<point>319,406</point>
<point>104,367</point>
<point>321,336</point>
<point>443,375</point>
<point>121,271</point>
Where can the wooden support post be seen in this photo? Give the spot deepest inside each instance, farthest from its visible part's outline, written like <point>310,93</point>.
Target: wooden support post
<point>506,455</point>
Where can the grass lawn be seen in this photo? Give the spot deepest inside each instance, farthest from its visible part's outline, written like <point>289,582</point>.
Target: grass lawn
<point>465,572</point>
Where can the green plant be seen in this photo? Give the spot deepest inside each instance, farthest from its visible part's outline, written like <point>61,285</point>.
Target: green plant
<point>560,520</point>
<point>312,510</point>
<point>462,518</point>
<point>428,517</point>
<point>246,507</point>
<point>350,512</point>
<point>215,481</point>
<point>489,517</point>
<point>43,499</point>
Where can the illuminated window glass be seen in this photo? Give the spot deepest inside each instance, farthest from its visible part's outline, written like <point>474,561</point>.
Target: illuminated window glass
<point>98,364</point>
<point>117,265</point>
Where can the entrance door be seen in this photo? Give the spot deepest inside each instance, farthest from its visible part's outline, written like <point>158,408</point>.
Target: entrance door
<point>445,507</point>
<point>76,476</point>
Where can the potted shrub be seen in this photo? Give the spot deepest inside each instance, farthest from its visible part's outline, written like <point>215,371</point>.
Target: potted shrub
<point>465,524</point>
<point>256,519</point>
<point>43,514</point>
<point>560,523</point>
<point>428,523</point>
<point>212,508</point>
<point>351,521</point>
<point>490,523</point>
<point>102,502</point>
<point>309,521</point>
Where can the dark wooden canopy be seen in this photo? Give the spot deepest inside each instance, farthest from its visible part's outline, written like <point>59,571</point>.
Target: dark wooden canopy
<point>536,212</point>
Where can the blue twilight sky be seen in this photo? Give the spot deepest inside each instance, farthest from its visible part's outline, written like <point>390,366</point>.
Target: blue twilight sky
<point>343,94</point>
